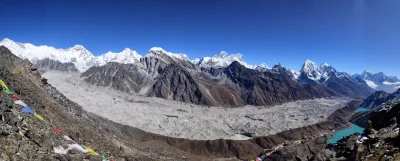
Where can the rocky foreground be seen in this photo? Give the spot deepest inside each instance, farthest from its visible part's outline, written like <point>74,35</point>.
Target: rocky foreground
<point>380,141</point>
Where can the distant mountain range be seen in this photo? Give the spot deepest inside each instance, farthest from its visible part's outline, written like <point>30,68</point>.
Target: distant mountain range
<point>380,81</point>
<point>219,80</point>
<point>83,59</point>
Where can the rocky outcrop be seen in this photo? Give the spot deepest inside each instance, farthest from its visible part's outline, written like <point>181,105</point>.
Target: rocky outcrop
<point>48,64</point>
<point>177,84</point>
<point>375,100</point>
<point>385,116</point>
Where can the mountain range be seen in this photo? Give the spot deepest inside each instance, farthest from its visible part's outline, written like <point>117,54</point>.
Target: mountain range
<point>219,80</point>
<point>380,81</point>
<point>83,59</point>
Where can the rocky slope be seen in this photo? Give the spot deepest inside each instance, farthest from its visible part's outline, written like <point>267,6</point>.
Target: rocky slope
<point>382,137</point>
<point>123,77</point>
<point>176,83</point>
<point>49,64</point>
<point>375,100</point>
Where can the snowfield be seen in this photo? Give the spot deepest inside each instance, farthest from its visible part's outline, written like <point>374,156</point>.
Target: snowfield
<point>177,119</point>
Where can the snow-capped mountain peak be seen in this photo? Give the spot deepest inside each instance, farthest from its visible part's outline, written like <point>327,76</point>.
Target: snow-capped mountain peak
<point>126,56</point>
<point>222,54</point>
<point>326,68</point>
<point>158,51</point>
<point>263,65</point>
<point>222,59</point>
<point>309,66</point>
<point>6,40</point>
<point>325,65</point>
<point>311,70</point>
<point>78,47</point>
<point>82,58</point>
<point>321,74</point>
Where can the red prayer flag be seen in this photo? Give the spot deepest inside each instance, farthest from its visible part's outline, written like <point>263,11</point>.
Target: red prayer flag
<point>15,97</point>
<point>56,130</point>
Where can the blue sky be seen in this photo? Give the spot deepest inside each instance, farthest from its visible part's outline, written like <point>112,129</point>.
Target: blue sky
<point>350,35</point>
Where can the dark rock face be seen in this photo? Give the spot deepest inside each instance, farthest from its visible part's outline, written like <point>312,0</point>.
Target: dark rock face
<point>176,83</point>
<point>48,64</point>
<point>375,100</point>
<point>213,71</point>
<point>279,69</point>
<point>271,88</point>
<point>153,65</point>
<point>123,77</point>
<point>384,118</point>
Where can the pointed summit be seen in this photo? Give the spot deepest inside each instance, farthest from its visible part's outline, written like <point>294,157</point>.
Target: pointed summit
<point>127,50</point>
<point>6,40</point>
<point>309,66</point>
<point>78,47</point>
<point>157,50</point>
<point>221,54</point>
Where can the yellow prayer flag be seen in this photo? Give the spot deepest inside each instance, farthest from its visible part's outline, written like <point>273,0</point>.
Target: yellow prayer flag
<point>91,151</point>
<point>3,84</point>
<point>38,117</point>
